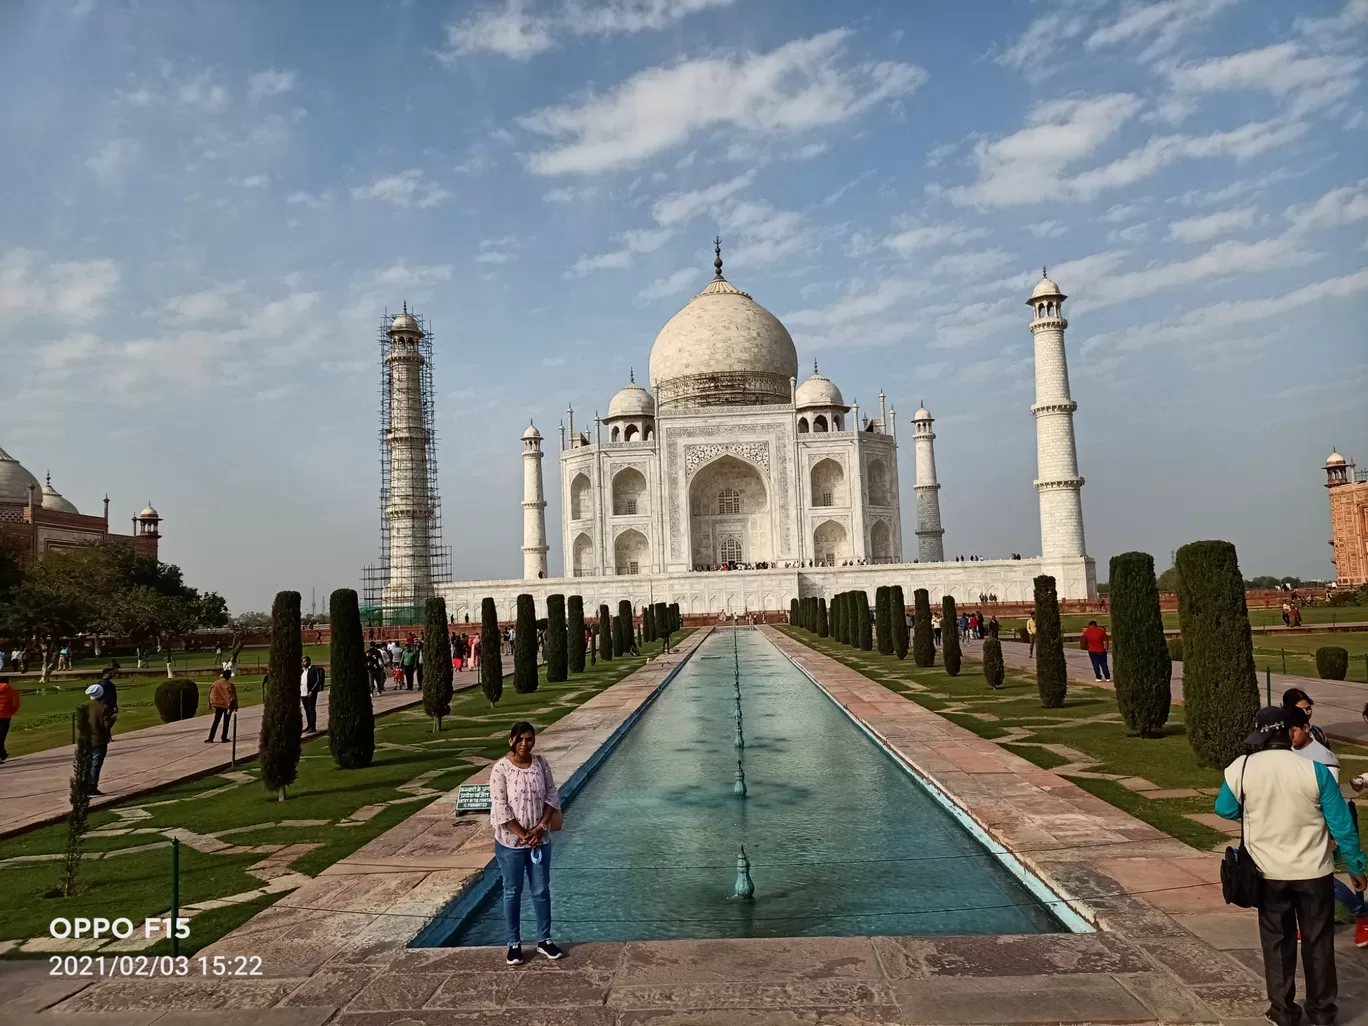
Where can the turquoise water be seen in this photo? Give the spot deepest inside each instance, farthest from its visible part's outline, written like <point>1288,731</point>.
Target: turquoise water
<point>842,840</point>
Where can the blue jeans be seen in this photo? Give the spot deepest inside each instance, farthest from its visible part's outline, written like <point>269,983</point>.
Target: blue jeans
<point>1350,899</point>
<point>1100,669</point>
<point>97,758</point>
<point>514,863</point>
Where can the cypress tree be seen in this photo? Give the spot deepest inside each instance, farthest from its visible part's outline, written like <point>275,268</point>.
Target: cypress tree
<point>525,646</point>
<point>899,608</point>
<point>557,669</point>
<point>628,626</point>
<point>648,624</point>
<point>1141,668</point>
<point>793,611</point>
<point>923,640</point>
<point>1052,671</point>
<point>351,721</point>
<point>834,616</point>
<point>883,620</point>
<point>1220,683</point>
<point>862,620</point>
<point>662,622</point>
<point>994,670</point>
<point>605,634</point>
<point>278,743</point>
<point>676,618</point>
<point>848,635</point>
<point>617,636</point>
<point>593,645</point>
<point>436,662</point>
<point>491,652</point>
<point>950,639</point>
<point>574,633</point>
<point>823,620</point>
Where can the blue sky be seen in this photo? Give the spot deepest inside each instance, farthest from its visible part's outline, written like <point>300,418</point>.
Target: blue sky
<point>210,205</point>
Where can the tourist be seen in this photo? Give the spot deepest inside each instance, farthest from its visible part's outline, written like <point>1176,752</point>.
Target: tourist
<point>524,808</point>
<point>1096,642</point>
<point>100,717</point>
<point>111,693</point>
<point>223,700</point>
<point>1297,698</point>
<point>392,654</point>
<point>408,663</point>
<point>9,705</point>
<point>1030,633</point>
<point>963,626</point>
<point>1291,808</point>
<point>311,681</point>
<point>64,656</point>
<point>935,628</point>
<point>375,667</point>
<point>993,627</point>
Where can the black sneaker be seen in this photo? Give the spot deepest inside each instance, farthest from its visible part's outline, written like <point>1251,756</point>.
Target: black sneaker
<point>550,950</point>
<point>515,956</point>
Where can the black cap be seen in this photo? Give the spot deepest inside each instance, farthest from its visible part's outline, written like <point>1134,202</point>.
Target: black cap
<point>1268,721</point>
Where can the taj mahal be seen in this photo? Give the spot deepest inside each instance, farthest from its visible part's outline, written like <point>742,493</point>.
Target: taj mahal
<point>728,485</point>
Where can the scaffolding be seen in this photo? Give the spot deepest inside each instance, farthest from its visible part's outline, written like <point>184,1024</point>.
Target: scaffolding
<point>412,556</point>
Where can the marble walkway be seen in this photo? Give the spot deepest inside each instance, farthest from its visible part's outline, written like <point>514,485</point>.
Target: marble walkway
<point>34,788</point>
<point>334,950</point>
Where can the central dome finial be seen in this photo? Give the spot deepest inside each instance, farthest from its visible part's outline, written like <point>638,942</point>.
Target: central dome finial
<point>717,255</point>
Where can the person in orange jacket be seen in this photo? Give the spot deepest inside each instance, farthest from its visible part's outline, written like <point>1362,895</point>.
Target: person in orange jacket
<point>223,699</point>
<point>9,705</point>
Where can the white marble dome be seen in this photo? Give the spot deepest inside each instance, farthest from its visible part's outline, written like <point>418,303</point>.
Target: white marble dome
<point>818,390</point>
<point>1045,287</point>
<point>723,348</point>
<point>632,401</point>
<point>149,513</point>
<point>404,322</point>
<point>531,432</point>
<point>1335,460</point>
<point>53,499</point>
<point>922,414</point>
<point>15,481</point>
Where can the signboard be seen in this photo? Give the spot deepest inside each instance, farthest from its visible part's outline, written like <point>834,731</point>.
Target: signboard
<point>472,798</point>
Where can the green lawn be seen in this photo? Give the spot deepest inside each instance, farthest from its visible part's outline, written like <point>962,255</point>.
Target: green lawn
<point>1088,723</point>
<point>1300,650</point>
<point>1312,616</point>
<point>138,885</point>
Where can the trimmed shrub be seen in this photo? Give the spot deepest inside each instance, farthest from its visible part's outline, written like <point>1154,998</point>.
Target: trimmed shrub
<point>491,652</point>
<point>648,624</point>
<point>1220,685</point>
<point>1052,671</point>
<point>628,626</point>
<point>661,613</point>
<point>1141,667</point>
<point>605,634</point>
<point>437,670</point>
<point>616,637</point>
<point>574,634</point>
<point>994,670</point>
<point>901,638</point>
<point>883,621</point>
<point>676,618</point>
<point>351,720</point>
<point>176,699</point>
<point>1332,662</point>
<point>1022,634</point>
<point>278,742</point>
<point>863,621</point>
<point>950,639</point>
<point>793,611</point>
<point>525,646</point>
<point>1175,648</point>
<point>557,668</point>
<point>823,619</point>
<point>923,641</point>
<point>593,645</point>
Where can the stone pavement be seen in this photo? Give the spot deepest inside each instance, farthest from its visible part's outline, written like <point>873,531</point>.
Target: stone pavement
<point>34,788</point>
<point>1339,704</point>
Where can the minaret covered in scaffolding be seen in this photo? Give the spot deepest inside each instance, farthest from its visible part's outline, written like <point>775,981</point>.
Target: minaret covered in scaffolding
<point>411,552</point>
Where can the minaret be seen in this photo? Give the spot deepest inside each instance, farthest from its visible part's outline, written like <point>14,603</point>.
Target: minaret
<point>534,507</point>
<point>930,534</point>
<point>1057,479</point>
<point>409,510</point>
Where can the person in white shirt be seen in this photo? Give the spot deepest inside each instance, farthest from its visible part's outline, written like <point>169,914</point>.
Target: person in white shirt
<point>311,681</point>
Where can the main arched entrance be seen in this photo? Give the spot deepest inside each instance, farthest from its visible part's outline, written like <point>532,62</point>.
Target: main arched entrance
<point>729,514</point>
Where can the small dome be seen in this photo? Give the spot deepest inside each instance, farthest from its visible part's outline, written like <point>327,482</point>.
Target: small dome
<point>1335,460</point>
<point>1045,287</point>
<point>149,513</point>
<point>818,390</point>
<point>15,481</point>
<point>531,432</point>
<point>922,414</point>
<point>632,401</point>
<point>404,322</point>
<point>53,500</point>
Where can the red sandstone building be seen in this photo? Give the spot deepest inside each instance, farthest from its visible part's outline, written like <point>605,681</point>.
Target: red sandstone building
<point>45,520</point>
<point>1348,520</point>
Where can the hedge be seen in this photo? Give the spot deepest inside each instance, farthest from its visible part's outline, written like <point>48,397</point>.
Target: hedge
<point>491,652</point>
<point>278,743</point>
<point>557,659</point>
<point>994,670</point>
<point>351,720</point>
<point>1052,671</point>
<point>951,653</point>
<point>923,640</point>
<point>176,699</point>
<point>574,634</point>
<point>1332,662</point>
<point>1141,667</point>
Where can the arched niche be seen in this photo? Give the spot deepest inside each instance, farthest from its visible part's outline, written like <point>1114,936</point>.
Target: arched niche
<point>583,555</point>
<point>581,501</point>
<point>880,541</point>
<point>879,484</point>
<point>629,493</point>
<point>729,503</point>
<point>829,484</point>
<point>632,553</point>
<point>830,543</point>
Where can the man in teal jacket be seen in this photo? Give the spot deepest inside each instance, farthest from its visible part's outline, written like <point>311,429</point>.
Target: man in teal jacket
<point>1292,808</point>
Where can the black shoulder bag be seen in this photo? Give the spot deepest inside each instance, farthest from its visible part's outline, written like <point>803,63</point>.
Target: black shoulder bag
<point>1241,879</point>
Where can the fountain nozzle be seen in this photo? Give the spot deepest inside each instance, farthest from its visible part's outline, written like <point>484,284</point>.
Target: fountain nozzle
<point>745,887</point>
<point>739,788</point>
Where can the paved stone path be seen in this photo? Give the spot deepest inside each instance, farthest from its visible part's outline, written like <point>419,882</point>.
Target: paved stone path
<point>1339,704</point>
<point>34,788</point>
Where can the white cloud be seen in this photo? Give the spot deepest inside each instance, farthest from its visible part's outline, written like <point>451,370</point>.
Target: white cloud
<point>205,305</point>
<point>1340,30</point>
<point>1130,234</point>
<point>644,240</point>
<point>1033,53</point>
<point>926,236</point>
<point>497,250</point>
<point>315,201</point>
<point>506,30</point>
<point>1119,212</point>
<point>670,285</point>
<point>1285,69</point>
<point>1341,206</point>
<point>971,265</point>
<point>203,94</point>
<point>113,161</point>
<point>1211,226</point>
<point>633,15</point>
<point>1161,26</point>
<point>72,291</point>
<point>404,189</point>
<point>858,303</point>
<point>799,86</point>
<point>413,276</point>
<point>570,194</point>
<point>253,181</point>
<point>678,207</point>
<point>262,84</point>
<point>1047,229</point>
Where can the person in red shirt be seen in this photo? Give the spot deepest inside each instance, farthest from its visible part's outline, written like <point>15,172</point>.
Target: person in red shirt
<point>1096,641</point>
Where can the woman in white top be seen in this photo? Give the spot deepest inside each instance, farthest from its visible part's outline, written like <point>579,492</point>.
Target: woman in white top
<point>524,809</point>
